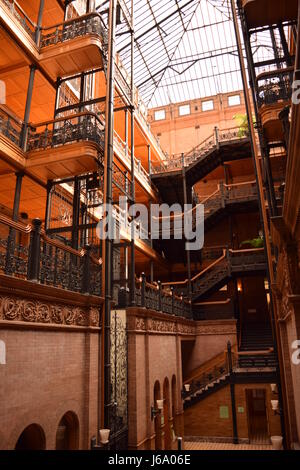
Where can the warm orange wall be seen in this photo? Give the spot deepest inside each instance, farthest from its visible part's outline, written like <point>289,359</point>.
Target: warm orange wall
<point>180,133</point>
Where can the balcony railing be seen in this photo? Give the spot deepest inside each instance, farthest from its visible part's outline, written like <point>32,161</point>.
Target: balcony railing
<point>79,127</point>
<point>10,126</point>
<point>91,23</point>
<point>200,152</point>
<point>27,253</point>
<point>274,86</point>
<point>125,151</point>
<point>18,12</point>
<point>152,296</point>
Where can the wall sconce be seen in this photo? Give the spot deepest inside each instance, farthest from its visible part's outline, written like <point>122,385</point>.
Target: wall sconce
<point>104,436</point>
<point>239,286</point>
<point>104,440</point>
<point>187,387</point>
<point>156,411</point>
<point>274,389</point>
<point>275,407</point>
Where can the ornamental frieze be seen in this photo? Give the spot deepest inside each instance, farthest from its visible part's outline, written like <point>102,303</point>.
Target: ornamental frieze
<point>16,309</point>
<point>216,329</point>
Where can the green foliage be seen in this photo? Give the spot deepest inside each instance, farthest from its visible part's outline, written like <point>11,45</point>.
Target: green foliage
<point>254,243</point>
<point>242,122</point>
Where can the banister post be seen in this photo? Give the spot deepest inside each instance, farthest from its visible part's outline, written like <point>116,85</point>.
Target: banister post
<point>159,296</point>
<point>143,290</point>
<point>33,271</point>
<point>86,277</point>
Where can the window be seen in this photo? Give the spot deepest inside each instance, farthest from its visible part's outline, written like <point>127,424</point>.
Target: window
<point>207,105</point>
<point>234,100</point>
<point>159,115</point>
<point>184,110</point>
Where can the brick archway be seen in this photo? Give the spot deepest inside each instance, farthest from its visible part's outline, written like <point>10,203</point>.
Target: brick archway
<point>32,438</point>
<point>67,434</point>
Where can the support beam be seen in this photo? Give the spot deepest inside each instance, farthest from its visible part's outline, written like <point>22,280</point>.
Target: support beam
<point>132,251</point>
<point>107,243</point>
<point>27,107</point>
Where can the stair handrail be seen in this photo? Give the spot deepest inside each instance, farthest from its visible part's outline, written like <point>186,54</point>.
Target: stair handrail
<point>215,361</point>
<point>185,282</point>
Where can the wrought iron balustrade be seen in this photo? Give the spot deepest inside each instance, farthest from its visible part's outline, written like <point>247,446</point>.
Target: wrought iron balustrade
<point>231,261</point>
<point>206,379</point>
<point>10,127</point>
<point>18,12</point>
<point>26,252</point>
<point>154,297</point>
<point>14,247</point>
<point>200,152</point>
<point>274,86</point>
<point>79,127</point>
<point>91,23</point>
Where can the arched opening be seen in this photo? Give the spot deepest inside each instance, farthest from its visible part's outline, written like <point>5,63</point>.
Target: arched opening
<point>32,438</point>
<point>157,419</point>
<point>167,421</point>
<point>67,434</point>
<point>174,404</point>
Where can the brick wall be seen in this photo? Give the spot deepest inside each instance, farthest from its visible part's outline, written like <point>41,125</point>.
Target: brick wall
<point>203,419</point>
<point>52,349</point>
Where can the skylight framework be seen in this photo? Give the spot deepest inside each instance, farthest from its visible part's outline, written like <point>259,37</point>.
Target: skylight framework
<point>184,50</point>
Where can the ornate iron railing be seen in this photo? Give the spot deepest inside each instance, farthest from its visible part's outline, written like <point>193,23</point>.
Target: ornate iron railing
<point>10,126</point>
<point>18,12</point>
<point>231,261</point>
<point>79,127</point>
<point>91,23</point>
<point>274,86</point>
<point>205,380</point>
<point>224,195</point>
<point>154,297</point>
<point>26,252</point>
<point>201,151</point>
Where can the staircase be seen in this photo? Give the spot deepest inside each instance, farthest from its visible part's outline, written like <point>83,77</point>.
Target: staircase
<point>257,337</point>
<point>207,379</point>
<point>220,147</point>
<point>232,263</point>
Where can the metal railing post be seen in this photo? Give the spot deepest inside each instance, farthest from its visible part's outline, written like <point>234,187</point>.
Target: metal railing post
<point>143,290</point>
<point>33,272</point>
<point>159,296</point>
<point>86,275</point>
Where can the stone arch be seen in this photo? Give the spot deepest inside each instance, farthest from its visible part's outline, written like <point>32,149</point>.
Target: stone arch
<point>31,438</point>
<point>67,433</point>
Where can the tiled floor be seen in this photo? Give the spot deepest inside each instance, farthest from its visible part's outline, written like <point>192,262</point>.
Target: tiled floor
<point>223,446</point>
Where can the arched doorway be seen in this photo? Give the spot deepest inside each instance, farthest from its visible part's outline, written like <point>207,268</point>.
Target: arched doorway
<point>157,419</point>
<point>32,438</point>
<point>166,395</point>
<point>67,434</point>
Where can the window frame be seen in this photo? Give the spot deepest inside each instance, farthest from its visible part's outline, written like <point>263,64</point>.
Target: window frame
<point>209,109</point>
